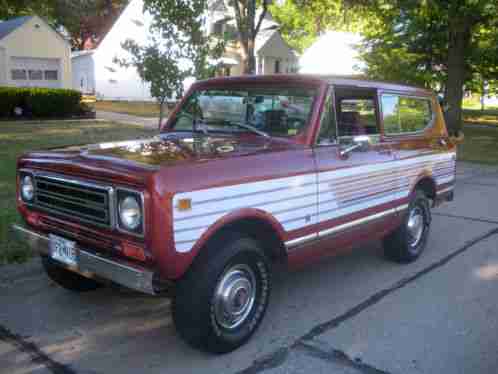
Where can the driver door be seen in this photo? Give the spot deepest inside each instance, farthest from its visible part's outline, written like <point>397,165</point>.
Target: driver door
<point>356,179</point>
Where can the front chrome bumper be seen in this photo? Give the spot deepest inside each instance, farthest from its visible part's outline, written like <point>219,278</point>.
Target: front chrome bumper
<point>94,266</point>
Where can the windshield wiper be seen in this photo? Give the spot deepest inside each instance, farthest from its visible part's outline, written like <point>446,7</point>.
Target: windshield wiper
<point>251,128</point>
<point>198,125</point>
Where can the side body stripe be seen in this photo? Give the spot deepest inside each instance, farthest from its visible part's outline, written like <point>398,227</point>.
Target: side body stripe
<point>303,200</point>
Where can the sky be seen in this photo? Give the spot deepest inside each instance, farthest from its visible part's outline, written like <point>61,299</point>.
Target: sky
<point>332,53</point>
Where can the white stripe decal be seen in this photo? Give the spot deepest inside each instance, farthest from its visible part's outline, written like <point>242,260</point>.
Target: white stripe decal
<point>294,201</point>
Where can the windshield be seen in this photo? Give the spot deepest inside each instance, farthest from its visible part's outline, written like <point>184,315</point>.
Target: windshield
<point>274,111</point>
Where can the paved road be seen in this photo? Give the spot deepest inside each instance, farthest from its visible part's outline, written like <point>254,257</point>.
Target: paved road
<point>356,313</point>
<point>147,122</point>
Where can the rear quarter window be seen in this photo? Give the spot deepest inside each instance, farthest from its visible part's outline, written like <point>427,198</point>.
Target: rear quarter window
<point>405,114</point>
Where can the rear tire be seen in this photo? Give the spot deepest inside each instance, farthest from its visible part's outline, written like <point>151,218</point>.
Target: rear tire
<point>408,241</point>
<point>222,299</point>
<point>68,279</point>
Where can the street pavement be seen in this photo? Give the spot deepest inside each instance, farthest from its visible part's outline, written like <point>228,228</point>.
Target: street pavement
<point>355,313</point>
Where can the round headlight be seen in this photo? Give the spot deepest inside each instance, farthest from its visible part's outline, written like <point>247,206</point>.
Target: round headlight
<point>130,213</point>
<point>27,188</point>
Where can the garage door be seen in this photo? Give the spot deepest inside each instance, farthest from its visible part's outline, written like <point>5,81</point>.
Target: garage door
<point>35,72</point>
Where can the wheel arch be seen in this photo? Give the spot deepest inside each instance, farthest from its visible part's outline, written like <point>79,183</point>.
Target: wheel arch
<point>427,184</point>
<point>259,225</point>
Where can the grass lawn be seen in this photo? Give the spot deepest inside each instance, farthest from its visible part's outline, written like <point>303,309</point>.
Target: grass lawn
<point>16,138</point>
<point>484,117</point>
<point>480,145</point>
<point>136,108</point>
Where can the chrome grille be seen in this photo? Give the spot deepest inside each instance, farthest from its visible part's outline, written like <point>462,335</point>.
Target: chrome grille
<point>73,199</point>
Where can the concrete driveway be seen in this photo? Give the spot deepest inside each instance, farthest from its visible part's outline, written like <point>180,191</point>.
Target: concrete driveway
<point>356,313</point>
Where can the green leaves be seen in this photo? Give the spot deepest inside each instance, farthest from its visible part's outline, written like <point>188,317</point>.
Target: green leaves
<point>303,21</point>
<point>178,47</point>
<point>40,102</point>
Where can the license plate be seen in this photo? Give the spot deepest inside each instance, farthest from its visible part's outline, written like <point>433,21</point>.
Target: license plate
<point>63,250</point>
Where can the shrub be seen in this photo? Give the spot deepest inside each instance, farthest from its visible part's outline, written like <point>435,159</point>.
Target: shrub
<point>9,99</point>
<point>40,102</point>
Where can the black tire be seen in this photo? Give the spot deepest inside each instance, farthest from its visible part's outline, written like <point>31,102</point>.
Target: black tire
<point>66,278</point>
<point>196,305</point>
<point>402,245</point>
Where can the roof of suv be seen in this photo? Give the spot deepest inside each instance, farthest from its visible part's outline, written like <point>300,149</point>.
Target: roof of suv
<point>356,81</point>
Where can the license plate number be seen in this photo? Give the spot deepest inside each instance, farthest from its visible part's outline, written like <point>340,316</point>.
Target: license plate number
<point>63,250</point>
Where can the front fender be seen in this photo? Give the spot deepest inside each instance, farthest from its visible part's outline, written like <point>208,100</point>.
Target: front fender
<point>229,219</point>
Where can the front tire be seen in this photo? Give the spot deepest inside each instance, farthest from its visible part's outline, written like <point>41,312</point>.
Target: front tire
<point>68,279</point>
<point>222,299</point>
<point>409,240</point>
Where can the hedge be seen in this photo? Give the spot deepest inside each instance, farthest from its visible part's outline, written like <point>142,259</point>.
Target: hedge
<point>39,102</point>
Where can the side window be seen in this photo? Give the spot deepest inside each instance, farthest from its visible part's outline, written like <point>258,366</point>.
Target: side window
<point>357,117</point>
<point>390,114</point>
<point>327,133</point>
<point>404,114</point>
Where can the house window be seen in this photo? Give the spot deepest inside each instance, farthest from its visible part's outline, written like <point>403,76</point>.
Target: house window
<point>19,74</point>
<point>35,75</point>
<point>277,66</point>
<point>51,75</point>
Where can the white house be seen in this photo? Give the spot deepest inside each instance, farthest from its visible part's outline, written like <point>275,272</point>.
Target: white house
<point>273,54</point>
<point>32,54</point>
<point>94,71</point>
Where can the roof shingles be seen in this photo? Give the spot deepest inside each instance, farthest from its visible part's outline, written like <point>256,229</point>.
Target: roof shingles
<point>7,27</point>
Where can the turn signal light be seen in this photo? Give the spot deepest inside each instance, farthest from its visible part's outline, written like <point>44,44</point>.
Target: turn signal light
<point>133,251</point>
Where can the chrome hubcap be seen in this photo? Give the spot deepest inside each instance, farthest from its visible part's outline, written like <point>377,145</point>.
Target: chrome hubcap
<point>415,226</point>
<point>234,296</point>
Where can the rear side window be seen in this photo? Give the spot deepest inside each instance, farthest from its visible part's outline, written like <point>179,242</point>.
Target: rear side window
<point>403,114</point>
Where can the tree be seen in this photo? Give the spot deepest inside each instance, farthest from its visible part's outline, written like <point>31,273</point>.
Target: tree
<point>302,21</point>
<point>158,66</point>
<point>179,48</point>
<point>248,28</point>
<point>87,21</point>
<point>432,43</point>
<point>16,8</point>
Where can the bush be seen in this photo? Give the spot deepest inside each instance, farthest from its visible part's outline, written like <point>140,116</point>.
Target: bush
<point>40,102</point>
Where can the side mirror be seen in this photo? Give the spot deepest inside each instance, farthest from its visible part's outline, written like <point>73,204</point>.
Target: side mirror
<point>360,143</point>
<point>363,142</point>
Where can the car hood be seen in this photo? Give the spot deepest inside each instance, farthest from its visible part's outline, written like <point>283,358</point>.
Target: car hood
<point>136,160</point>
<point>169,149</point>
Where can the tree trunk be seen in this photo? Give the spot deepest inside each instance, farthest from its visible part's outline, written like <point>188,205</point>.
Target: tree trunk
<point>250,67</point>
<point>483,93</point>
<point>459,38</point>
<point>161,113</point>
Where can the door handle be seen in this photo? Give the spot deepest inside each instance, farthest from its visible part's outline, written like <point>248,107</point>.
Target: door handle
<point>346,151</point>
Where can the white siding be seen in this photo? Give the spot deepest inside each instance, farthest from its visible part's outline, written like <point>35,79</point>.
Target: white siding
<point>3,67</point>
<point>84,74</point>
<point>111,80</point>
<point>275,49</point>
<point>36,45</point>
